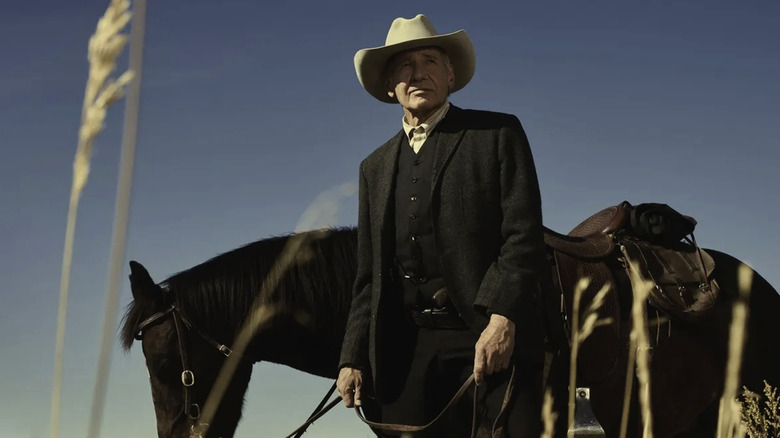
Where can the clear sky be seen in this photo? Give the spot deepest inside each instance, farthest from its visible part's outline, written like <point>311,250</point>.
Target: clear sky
<point>249,111</point>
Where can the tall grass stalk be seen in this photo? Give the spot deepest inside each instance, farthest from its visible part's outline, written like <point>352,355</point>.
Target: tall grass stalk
<point>640,343</point>
<point>104,48</point>
<point>729,412</point>
<point>628,389</point>
<point>579,288</point>
<point>320,214</point>
<point>549,417</point>
<point>121,216</point>
<point>580,333</point>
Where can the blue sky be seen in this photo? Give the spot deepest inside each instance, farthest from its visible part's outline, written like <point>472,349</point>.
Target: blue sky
<point>248,112</point>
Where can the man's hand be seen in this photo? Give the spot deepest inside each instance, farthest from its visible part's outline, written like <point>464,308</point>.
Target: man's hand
<point>349,384</point>
<point>494,347</point>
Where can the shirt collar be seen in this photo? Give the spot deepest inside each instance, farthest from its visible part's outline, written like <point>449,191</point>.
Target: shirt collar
<point>430,123</point>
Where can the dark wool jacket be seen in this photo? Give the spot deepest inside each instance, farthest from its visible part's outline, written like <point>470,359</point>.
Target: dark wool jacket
<point>487,219</point>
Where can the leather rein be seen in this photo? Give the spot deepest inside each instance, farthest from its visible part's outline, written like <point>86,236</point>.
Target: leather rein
<point>192,410</point>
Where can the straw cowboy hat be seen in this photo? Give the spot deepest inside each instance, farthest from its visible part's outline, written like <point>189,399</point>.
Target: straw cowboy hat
<point>405,34</point>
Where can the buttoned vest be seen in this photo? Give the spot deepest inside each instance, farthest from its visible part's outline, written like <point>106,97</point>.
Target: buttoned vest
<point>416,256</point>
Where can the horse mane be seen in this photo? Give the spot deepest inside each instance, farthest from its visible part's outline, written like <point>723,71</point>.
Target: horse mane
<point>220,292</point>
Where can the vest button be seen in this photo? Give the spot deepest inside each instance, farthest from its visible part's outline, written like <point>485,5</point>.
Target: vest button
<point>412,216</point>
<point>413,198</point>
<point>416,162</point>
<point>415,179</point>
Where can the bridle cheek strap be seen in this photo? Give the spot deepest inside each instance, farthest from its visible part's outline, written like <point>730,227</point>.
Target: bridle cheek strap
<point>187,376</point>
<point>192,410</point>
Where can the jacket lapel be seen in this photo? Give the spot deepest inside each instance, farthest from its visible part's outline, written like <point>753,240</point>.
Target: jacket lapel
<point>449,138</point>
<point>387,165</point>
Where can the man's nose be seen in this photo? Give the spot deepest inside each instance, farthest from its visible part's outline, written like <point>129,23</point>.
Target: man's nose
<point>417,72</point>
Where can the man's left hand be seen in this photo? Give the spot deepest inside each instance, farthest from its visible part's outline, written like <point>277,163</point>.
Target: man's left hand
<point>494,347</point>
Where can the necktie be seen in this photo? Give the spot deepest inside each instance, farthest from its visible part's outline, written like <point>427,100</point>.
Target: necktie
<point>417,138</point>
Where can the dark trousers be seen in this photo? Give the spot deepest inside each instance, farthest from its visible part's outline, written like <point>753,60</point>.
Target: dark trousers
<point>428,369</point>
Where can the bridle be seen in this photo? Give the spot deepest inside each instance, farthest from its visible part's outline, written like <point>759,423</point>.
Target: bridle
<point>191,410</point>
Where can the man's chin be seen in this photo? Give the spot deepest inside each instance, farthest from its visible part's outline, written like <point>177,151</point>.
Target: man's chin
<point>421,103</point>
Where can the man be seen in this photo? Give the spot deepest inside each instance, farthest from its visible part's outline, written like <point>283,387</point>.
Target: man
<point>450,248</point>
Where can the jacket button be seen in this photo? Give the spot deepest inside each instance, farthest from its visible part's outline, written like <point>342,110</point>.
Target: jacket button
<point>413,198</point>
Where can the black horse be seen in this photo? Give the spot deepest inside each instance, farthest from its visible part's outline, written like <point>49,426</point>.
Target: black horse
<point>184,319</point>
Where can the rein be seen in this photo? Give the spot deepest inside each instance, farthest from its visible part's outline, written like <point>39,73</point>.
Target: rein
<point>192,410</point>
<point>320,411</point>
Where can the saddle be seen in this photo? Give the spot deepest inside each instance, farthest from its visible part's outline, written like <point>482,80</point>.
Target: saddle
<point>591,239</point>
<point>598,248</point>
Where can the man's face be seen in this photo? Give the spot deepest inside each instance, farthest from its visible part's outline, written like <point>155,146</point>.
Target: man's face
<point>420,79</point>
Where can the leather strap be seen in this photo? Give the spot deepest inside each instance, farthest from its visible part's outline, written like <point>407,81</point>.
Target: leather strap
<point>407,428</point>
<point>458,395</point>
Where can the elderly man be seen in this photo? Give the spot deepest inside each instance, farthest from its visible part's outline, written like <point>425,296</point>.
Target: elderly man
<point>450,249</point>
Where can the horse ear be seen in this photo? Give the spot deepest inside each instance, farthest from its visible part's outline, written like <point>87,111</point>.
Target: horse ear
<point>141,283</point>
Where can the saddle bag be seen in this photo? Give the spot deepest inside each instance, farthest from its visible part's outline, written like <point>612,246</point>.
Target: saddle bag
<point>682,276</point>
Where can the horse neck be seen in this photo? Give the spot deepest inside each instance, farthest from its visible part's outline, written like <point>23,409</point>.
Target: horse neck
<point>289,331</point>
<point>305,317</point>
<point>299,337</point>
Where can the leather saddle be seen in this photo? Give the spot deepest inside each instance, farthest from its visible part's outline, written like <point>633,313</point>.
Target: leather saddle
<point>589,250</point>
<point>592,238</point>
<point>599,247</point>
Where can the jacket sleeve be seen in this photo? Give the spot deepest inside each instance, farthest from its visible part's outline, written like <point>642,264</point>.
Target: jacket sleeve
<point>514,277</point>
<point>354,349</point>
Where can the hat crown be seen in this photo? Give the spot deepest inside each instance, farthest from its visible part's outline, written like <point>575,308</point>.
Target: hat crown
<point>404,29</point>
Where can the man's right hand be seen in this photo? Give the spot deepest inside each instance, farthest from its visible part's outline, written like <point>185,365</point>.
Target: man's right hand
<point>349,384</point>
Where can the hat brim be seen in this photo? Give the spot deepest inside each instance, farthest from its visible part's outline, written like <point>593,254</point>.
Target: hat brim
<point>370,64</point>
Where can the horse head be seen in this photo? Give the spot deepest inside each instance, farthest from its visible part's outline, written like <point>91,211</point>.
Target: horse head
<point>182,361</point>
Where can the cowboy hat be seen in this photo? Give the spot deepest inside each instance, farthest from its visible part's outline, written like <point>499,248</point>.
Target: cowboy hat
<point>405,34</point>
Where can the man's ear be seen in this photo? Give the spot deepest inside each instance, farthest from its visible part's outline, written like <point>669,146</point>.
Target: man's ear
<point>390,89</point>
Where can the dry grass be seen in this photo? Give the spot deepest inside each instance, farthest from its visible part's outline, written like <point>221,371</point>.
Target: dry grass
<point>105,46</point>
<point>580,333</point>
<point>121,218</point>
<point>761,421</point>
<point>641,345</point>
<point>729,424</point>
<point>549,417</point>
